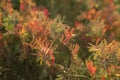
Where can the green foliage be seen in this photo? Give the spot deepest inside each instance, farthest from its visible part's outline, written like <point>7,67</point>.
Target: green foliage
<point>106,58</point>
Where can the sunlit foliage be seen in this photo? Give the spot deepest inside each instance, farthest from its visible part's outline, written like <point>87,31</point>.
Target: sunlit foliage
<point>81,43</point>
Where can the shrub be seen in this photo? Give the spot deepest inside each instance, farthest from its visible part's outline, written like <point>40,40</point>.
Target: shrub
<point>34,46</point>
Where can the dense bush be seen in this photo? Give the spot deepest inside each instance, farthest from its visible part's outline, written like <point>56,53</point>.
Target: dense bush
<point>38,44</point>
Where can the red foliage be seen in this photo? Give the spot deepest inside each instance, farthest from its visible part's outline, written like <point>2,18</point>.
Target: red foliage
<point>91,13</point>
<point>22,6</point>
<point>103,78</point>
<point>0,36</point>
<point>77,24</point>
<point>91,68</point>
<point>32,25</point>
<point>46,12</point>
<point>40,29</point>
<point>52,56</point>
<point>68,35</point>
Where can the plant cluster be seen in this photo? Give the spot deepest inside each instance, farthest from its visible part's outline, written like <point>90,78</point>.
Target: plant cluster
<point>35,47</point>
